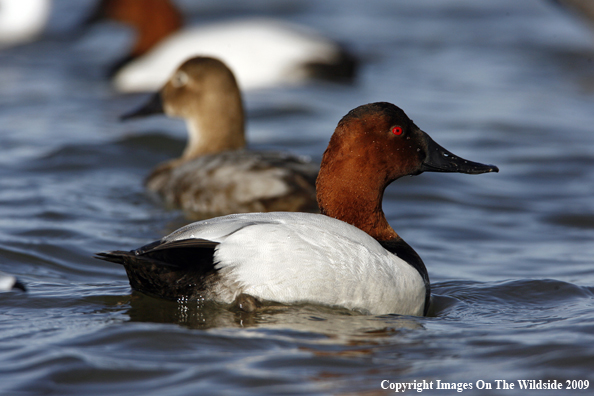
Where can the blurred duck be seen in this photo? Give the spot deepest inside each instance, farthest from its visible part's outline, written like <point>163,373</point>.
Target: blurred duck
<point>9,282</point>
<point>348,256</point>
<point>262,52</point>
<point>22,21</point>
<point>582,8</point>
<point>215,175</point>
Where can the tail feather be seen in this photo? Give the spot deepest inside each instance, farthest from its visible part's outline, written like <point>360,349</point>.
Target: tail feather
<point>130,258</point>
<point>116,256</point>
<point>174,270</point>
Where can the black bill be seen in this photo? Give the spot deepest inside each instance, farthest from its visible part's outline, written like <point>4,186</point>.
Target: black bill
<point>153,106</point>
<point>441,160</point>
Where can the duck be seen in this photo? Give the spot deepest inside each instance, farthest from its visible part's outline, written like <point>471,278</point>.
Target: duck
<point>216,174</point>
<point>21,21</point>
<point>346,256</point>
<point>582,8</point>
<point>263,52</point>
<point>9,282</point>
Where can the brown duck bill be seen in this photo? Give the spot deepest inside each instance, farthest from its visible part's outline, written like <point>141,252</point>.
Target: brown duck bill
<point>441,160</point>
<point>153,106</point>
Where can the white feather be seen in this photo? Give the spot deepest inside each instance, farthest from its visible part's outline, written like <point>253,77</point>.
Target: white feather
<point>7,281</point>
<point>22,20</point>
<point>260,52</point>
<point>303,257</point>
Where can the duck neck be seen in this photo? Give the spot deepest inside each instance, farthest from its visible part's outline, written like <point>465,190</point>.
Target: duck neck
<point>214,131</point>
<point>159,19</point>
<point>347,194</point>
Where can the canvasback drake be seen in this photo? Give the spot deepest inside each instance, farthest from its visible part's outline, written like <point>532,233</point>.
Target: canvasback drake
<point>215,174</point>
<point>22,21</point>
<point>9,282</point>
<point>262,52</point>
<point>348,256</point>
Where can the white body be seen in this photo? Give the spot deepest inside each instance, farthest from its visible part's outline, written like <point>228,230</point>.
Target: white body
<point>7,281</point>
<point>22,20</point>
<point>260,52</point>
<point>301,257</point>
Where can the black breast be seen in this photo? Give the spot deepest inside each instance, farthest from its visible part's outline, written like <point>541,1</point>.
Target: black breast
<point>408,254</point>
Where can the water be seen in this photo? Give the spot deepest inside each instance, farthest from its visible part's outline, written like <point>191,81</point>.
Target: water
<point>509,254</point>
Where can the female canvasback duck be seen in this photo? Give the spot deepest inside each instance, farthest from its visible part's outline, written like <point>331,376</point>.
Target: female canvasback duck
<point>10,282</point>
<point>22,21</point>
<point>215,174</point>
<point>262,52</point>
<point>348,256</point>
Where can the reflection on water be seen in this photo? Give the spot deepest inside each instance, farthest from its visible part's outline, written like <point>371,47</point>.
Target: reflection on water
<point>307,318</point>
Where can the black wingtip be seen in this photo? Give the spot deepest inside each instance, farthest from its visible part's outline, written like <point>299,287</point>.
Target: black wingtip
<point>19,285</point>
<point>343,69</point>
<point>116,256</point>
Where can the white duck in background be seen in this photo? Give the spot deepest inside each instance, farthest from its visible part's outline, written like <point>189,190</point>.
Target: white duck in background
<point>22,21</point>
<point>262,52</point>
<point>216,175</point>
<point>10,282</point>
<point>348,256</point>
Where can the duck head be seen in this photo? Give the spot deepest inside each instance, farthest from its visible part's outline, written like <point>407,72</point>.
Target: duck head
<point>372,146</point>
<point>203,91</point>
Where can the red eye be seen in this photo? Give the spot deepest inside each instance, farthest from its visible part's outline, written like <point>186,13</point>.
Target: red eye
<point>397,130</point>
